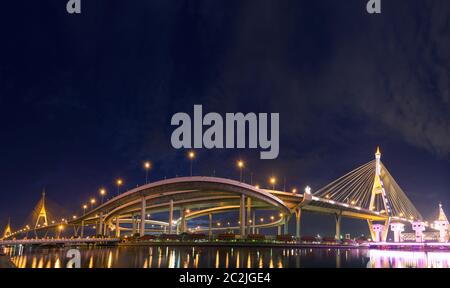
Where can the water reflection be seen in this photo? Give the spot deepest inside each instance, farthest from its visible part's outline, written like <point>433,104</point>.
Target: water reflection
<point>224,257</point>
<point>408,259</point>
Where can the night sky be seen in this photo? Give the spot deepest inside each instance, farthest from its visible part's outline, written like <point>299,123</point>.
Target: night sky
<point>87,98</point>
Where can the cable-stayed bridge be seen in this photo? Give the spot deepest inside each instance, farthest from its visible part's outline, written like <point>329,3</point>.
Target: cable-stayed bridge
<point>369,193</point>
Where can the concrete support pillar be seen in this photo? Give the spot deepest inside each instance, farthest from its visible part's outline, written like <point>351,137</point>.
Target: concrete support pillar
<point>253,221</point>
<point>100,225</point>
<point>210,226</point>
<point>133,221</point>
<point>418,227</point>
<point>82,229</point>
<point>170,216</point>
<point>397,228</point>
<point>117,227</point>
<point>142,227</point>
<point>286,226</point>
<point>249,211</point>
<point>183,220</point>
<point>106,230</point>
<point>242,215</point>
<point>279,230</point>
<point>377,232</point>
<point>298,215</point>
<point>338,226</point>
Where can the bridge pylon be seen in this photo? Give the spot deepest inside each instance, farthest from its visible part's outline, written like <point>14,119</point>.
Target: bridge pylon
<point>378,199</point>
<point>42,212</point>
<point>7,231</point>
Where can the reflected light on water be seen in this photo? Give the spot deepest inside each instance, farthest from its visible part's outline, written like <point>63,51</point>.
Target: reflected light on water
<point>225,257</point>
<point>186,263</point>
<point>159,258</point>
<point>91,262</point>
<point>196,261</point>
<point>280,263</point>
<point>408,259</point>
<point>217,259</point>
<point>41,263</point>
<point>109,260</point>
<point>172,259</point>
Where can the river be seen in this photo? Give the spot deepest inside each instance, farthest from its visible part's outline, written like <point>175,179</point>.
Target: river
<point>226,257</point>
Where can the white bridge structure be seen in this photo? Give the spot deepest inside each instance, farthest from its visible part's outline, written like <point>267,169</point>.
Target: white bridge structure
<point>368,193</point>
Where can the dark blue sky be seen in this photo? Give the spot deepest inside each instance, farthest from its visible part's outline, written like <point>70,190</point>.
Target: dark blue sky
<point>86,98</point>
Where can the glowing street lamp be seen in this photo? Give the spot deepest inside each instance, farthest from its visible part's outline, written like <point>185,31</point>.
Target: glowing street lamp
<point>294,190</point>
<point>147,166</point>
<point>119,183</point>
<point>308,190</point>
<point>93,201</point>
<point>272,217</point>
<point>60,229</point>
<point>240,165</point>
<point>273,181</point>
<point>84,208</point>
<point>102,193</point>
<point>191,156</point>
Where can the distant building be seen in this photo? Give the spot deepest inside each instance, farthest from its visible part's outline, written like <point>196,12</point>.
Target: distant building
<point>441,224</point>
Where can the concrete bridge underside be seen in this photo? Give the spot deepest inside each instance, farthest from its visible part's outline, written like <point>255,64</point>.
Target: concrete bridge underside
<point>195,197</point>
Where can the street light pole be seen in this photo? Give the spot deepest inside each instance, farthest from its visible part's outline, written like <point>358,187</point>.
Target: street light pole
<point>240,165</point>
<point>191,156</point>
<point>147,166</point>
<point>102,193</point>
<point>92,203</point>
<point>118,182</point>
<point>273,180</point>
